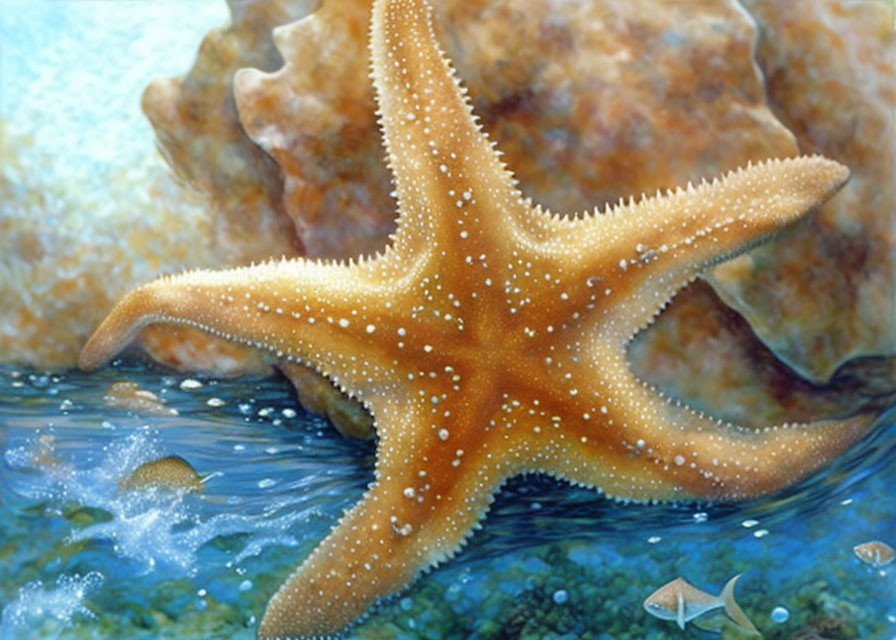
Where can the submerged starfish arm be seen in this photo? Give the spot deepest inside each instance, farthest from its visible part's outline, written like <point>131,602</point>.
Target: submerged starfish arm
<point>666,450</point>
<point>416,514</point>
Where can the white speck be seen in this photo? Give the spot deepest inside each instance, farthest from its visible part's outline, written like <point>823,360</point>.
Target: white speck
<point>288,413</point>
<point>190,383</point>
<point>561,596</point>
<point>749,523</point>
<point>343,323</point>
<point>370,328</point>
<point>245,585</point>
<point>215,402</point>
<point>266,483</point>
<point>443,434</point>
<point>623,264</point>
<point>443,168</point>
<point>427,348</point>
<point>409,492</point>
<point>760,533</point>
<point>654,539</point>
<point>678,460</point>
<point>780,614</point>
<point>401,331</point>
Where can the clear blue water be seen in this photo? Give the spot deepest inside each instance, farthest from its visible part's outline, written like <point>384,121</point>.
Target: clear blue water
<point>79,558</point>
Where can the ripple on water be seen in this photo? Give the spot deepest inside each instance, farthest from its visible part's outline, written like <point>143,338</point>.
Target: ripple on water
<point>152,527</point>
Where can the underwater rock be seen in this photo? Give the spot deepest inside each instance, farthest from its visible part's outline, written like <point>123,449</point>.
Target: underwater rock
<point>68,250</point>
<point>200,135</point>
<point>316,118</point>
<point>188,349</point>
<point>318,395</point>
<point>826,293</point>
<point>129,395</point>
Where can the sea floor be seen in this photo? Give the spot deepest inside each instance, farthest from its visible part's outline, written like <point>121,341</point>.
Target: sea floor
<point>80,558</point>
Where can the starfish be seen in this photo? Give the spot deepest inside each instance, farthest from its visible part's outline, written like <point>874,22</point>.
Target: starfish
<point>489,338</point>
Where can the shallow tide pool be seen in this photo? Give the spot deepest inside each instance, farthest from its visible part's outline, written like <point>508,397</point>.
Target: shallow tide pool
<point>82,558</point>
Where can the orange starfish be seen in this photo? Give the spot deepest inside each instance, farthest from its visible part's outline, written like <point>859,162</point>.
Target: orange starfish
<point>489,338</point>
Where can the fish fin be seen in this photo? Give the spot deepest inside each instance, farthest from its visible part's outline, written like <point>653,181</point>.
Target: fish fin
<point>733,609</point>
<point>709,628</point>
<point>209,476</point>
<point>679,617</point>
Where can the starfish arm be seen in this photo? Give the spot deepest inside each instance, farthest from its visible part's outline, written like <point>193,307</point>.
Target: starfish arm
<point>416,514</point>
<point>650,249</point>
<point>672,452</point>
<point>450,181</point>
<point>310,312</point>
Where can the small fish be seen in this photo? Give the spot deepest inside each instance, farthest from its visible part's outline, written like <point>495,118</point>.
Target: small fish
<point>170,472</point>
<point>681,601</point>
<point>875,553</point>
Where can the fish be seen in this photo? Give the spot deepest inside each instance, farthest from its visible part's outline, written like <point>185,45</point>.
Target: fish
<point>169,472</point>
<point>875,553</point>
<point>681,601</point>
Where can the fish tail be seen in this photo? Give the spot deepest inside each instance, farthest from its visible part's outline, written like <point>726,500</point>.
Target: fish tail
<point>733,609</point>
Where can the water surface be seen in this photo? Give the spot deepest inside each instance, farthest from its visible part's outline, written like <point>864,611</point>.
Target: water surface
<point>81,558</point>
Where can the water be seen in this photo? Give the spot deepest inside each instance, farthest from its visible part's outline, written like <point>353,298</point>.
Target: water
<point>81,558</point>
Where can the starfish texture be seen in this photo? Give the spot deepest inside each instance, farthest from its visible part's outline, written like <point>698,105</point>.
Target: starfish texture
<point>489,338</point>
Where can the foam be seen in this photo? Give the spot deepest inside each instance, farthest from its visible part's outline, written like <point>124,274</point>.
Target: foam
<point>155,528</point>
<point>59,604</point>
